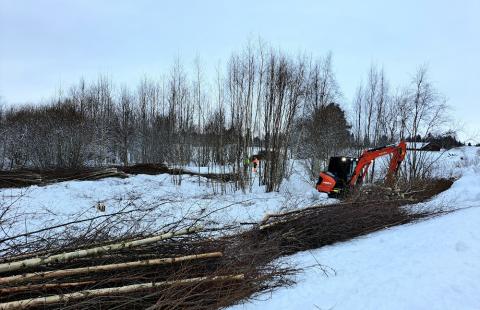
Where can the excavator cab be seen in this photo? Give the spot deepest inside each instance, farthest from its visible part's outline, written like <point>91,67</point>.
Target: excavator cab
<point>335,179</point>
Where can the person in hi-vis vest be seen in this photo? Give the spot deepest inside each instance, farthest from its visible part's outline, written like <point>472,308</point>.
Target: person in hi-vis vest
<point>255,163</point>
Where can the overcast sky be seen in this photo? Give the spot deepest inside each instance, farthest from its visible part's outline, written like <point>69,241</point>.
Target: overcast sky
<point>46,45</point>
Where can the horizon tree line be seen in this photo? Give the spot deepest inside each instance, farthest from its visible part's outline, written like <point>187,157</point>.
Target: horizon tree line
<point>264,101</point>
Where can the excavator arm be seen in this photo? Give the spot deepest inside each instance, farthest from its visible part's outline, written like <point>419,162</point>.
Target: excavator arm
<point>368,156</point>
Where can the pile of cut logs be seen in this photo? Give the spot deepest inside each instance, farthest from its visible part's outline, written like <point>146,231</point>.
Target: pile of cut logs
<point>24,178</point>
<point>177,269</point>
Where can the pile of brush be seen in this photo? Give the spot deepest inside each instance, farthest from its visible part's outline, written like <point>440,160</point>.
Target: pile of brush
<point>180,269</point>
<point>194,268</point>
<point>364,211</point>
<point>315,227</point>
<point>26,177</point>
<point>19,178</point>
<point>23,178</point>
<point>154,169</point>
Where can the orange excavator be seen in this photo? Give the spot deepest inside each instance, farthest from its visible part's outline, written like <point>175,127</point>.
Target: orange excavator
<point>345,173</point>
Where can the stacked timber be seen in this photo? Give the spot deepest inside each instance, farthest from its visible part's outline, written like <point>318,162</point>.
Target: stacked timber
<point>19,178</point>
<point>55,280</point>
<point>178,269</point>
<point>23,178</point>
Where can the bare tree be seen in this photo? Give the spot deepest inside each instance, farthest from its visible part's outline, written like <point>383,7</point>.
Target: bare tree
<point>323,123</point>
<point>284,93</point>
<point>358,113</point>
<point>3,132</point>
<point>427,113</point>
<point>124,132</point>
<point>265,103</point>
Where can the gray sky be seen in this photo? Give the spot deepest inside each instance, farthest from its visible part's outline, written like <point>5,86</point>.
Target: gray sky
<point>45,45</point>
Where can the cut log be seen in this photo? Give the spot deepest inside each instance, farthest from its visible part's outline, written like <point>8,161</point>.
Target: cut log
<point>93,269</point>
<point>70,297</point>
<point>43,287</point>
<point>33,262</point>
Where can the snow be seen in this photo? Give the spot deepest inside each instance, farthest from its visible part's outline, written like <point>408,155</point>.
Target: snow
<point>433,264</point>
<point>37,207</point>
<point>416,145</point>
<point>429,265</point>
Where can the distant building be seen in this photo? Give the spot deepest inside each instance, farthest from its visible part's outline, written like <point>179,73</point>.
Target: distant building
<point>424,146</point>
<point>432,146</point>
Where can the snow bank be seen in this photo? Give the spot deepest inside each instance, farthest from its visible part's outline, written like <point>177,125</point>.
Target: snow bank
<point>434,264</point>
<point>429,265</point>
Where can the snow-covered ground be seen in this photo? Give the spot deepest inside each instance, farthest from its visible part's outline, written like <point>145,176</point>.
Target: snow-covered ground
<point>429,265</point>
<point>37,207</point>
<point>434,264</point>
